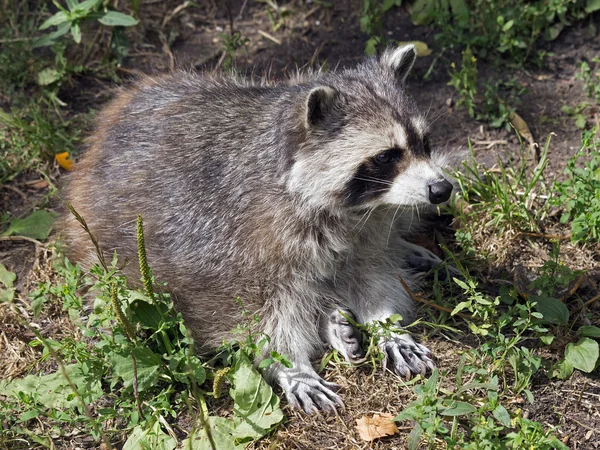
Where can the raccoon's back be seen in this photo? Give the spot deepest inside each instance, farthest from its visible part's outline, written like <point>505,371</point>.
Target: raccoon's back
<point>197,158</point>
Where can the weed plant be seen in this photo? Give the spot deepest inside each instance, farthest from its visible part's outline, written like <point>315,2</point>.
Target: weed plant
<point>135,370</point>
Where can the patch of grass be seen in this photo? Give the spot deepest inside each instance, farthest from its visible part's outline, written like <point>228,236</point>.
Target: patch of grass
<point>503,201</point>
<point>134,371</point>
<point>579,194</point>
<point>30,136</point>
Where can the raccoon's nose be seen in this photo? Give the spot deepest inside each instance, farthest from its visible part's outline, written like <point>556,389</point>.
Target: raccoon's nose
<point>439,191</point>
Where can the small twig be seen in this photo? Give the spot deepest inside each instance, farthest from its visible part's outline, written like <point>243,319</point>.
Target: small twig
<point>16,190</point>
<point>489,144</point>
<point>23,238</point>
<point>239,16</point>
<point>592,300</point>
<point>268,36</point>
<point>572,291</point>
<point>418,298</point>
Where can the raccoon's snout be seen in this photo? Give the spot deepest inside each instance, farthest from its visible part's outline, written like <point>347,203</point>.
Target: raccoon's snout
<point>439,191</point>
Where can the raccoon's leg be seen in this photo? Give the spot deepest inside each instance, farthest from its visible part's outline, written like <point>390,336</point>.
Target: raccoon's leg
<point>343,336</point>
<point>379,295</point>
<point>291,320</point>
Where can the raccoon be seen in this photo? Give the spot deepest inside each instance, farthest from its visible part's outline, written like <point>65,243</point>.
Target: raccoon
<point>294,197</point>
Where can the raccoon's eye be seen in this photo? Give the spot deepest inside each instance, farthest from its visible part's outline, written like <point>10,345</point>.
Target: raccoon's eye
<point>387,157</point>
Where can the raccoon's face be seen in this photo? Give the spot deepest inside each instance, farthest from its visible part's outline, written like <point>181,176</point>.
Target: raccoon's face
<point>366,144</point>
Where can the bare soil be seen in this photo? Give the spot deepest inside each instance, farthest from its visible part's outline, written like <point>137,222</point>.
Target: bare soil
<point>171,36</point>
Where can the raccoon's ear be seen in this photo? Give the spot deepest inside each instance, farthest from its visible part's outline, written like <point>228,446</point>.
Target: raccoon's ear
<point>400,60</point>
<point>319,102</point>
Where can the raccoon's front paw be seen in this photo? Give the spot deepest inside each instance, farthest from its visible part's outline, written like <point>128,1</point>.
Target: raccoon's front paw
<point>344,337</point>
<point>406,356</point>
<point>307,391</point>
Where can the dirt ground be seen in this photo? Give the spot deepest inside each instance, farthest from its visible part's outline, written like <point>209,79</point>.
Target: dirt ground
<point>171,36</point>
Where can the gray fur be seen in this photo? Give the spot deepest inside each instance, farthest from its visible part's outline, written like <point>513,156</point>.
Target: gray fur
<point>245,191</point>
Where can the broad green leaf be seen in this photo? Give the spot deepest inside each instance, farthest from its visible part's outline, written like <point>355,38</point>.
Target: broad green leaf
<point>592,5</point>
<point>53,390</point>
<point>582,355</point>
<point>414,437</point>
<point>580,121</point>
<point>562,370</point>
<point>37,225</point>
<point>148,367</point>
<point>71,4</point>
<point>458,409</point>
<point>588,330</point>
<point>423,12</point>
<point>502,416</point>
<point>145,311</point>
<point>76,32</point>
<point>7,295</point>
<point>222,431</point>
<point>152,438</point>
<point>255,405</point>
<point>553,310</point>
<point>49,39</point>
<point>56,19</point>
<point>114,18</point>
<point>460,11</point>
<point>86,5</point>
<point>7,278</point>
<point>48,76</point>
<point>410,412</point>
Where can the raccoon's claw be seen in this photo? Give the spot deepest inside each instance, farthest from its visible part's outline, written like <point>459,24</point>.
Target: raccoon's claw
<point>310,393</point>
<point>406,356</point>
<point>345,338</point>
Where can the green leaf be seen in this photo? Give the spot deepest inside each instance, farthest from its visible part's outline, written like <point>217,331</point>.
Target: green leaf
<point>562,370</point>
<point>37,225</point>
<point>582,355</point>
<point>502,416</point>
<point>87,5</point>
<point>148,367</point>
<point>588,330</point>
<point>7,278</point>
<point>145,311</point>
<point>222,431</point>
<point>53,390</point>
<point>151,438</point>
<point>592,5</point>
<point>71,4</point>
<point>414,437</point>
<point>256,407</point>
<point>76,32</point>
<point>28,415</point>
<point>508,25</point>
<point>114,18</point>
<point>423,12</point>
<point>553,310</point>
<point>458,409</point>
<point>461,283</point>
<point>460,11</point>
<point>56,19</point>
<point>580,121</point>
<point>48,76</point>
<point>7,295</point>
<point>49,39</point>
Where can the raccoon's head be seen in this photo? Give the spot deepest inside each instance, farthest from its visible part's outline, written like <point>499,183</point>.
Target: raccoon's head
<point>366,144</point>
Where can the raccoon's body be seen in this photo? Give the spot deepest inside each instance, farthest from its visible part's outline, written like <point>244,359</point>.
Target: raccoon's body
<point>291,197</point>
